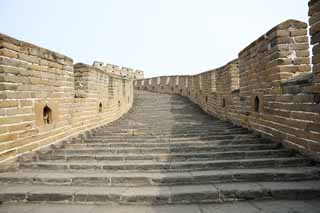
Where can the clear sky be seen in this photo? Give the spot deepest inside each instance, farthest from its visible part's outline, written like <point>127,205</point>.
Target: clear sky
<point>161,37</point>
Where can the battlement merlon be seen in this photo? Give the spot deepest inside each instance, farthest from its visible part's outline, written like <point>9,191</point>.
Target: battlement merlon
<point>139,74</point>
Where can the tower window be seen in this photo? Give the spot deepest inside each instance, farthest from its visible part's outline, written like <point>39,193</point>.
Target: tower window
<point>47,115</point>
<point>223,103</point>
<point>100,107</point>
<point>256,104</point>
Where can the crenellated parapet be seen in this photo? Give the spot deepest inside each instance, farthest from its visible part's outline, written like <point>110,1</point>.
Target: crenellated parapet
<point>120,71</point>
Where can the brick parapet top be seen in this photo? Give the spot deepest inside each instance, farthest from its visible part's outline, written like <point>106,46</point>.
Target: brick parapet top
<point>282,26</point>
<point>235,61</point>
<point>34,50</point>
<point>89,68</point>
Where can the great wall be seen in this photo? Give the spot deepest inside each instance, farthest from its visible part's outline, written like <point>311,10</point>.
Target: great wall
<point>249,130</point>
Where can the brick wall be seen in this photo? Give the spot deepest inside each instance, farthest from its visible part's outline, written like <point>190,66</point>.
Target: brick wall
<point>99,96</point>
<point>44,98</point>
<point>270,88</point>
<point>314,22</point>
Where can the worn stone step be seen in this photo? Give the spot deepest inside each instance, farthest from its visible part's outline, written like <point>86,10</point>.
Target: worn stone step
<point>161,150</point>
<point>143,135</point>
<point>251,206</point>
<point>88,143</point>
<point>159,179</point>
<point>169,157</point>
<point>209,193</point>
<point>159,138</point>
<point>167,132</point>
<point>174,132</point>
<point>169,166</point>
<point>181,124</point>
<point>170,137</point>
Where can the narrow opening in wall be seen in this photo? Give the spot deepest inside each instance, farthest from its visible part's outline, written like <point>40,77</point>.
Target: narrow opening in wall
<point>180,91</point>
<point>100,107</point>
<point>256,104</point>
<point>172,89</point>
<point>316,99</point>
<point>153,88</point>
<point>119,103</point>
<point>47,115</point>
<point>223,103</point>
<point>161,87</point>
<point>206,99</point>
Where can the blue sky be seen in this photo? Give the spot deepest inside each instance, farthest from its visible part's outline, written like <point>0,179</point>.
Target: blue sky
<point>161,37</point>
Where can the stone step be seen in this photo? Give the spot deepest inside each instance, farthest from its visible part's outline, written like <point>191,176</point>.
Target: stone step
<point>44,177</point>
<point>251,206</point>
<point>88,143</point>
<point>173,137</point>
<point>168,157</point>
<point>137,133</point>
<point>161,150</point>
<point>170,132</point>
<point>175,131</point>
<point>152,166</point>
<point>154,138</point>
<point>163,139</point>
<point>209,193</point>
<point>194,126</point>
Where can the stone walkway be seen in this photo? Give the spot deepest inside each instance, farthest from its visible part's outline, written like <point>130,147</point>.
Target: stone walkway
<point>165,151</point>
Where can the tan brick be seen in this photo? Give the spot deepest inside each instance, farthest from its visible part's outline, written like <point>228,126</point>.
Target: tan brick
<point>8,53</point>
<point>7,154</point>
<point>8,103</point>
<point>8,137</point>
<point>15,119</point>
<point>18,111</point>
<point>9,46</point>
<point>19,127</point>
<point>28,147</point>
<point>26,103</point>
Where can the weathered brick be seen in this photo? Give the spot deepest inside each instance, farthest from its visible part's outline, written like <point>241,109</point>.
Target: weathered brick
<point>8,137</point>
<point>8,103</point>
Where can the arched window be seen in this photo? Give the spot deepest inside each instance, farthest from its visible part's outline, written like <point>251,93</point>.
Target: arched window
<point>47,115</point>
<point>223,103</point>
<point>256,104</point>
<point>100,107</point>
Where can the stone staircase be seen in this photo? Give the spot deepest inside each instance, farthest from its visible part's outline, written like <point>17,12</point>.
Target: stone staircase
<point>165,151</point>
